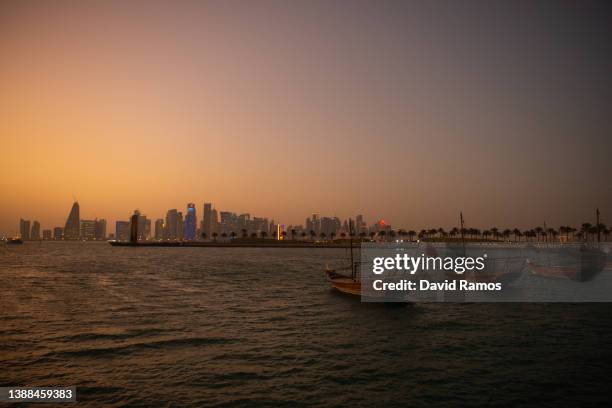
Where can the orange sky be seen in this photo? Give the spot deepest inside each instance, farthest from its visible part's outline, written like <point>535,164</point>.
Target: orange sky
<point>282,109</point>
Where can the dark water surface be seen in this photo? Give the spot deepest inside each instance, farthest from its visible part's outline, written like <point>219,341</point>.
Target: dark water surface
<point>245,326</point>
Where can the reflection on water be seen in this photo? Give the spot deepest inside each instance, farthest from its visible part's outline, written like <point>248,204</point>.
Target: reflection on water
<point>194,326</point>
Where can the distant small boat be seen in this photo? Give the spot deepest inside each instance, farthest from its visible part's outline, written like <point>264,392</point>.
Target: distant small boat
<point>14,241</point>
<point>347,282</point>
<point>579,264</point>
<point>345,279</point>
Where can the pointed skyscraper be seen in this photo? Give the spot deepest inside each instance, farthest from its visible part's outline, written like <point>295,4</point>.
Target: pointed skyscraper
<point>72,230</point>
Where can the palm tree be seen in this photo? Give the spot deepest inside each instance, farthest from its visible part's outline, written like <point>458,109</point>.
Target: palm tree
<point>453,232</point>
<point>303,235</point>
<point>343,235</point>
<point>538,231</point>
<point>284,234</point>
<point>422,234</point>
<point>332,235</point>
<point>474,232</point>
<point>552,232</point>
<point>382,234</point>
<point>601,228</point>
<point>372,235</point>
<point>563,231</point>
<point>495,232</point>
<point>593,231</point>
<point>411,235</point>
<point>517,234</point>
<point>244,232</point>
<point>253,235</point>
<point>441,232</point>
<point>323,236</point>
<point>586,227</point>
<point>215,235</point>
<point>293,232</point>
<point>203,235</point>
<point>232,235</point>
<point>224,235</point>
<point>486,233</point>
<point>392,234</point>
<point>572,231</point>
<point>312,235</point>
<point>263,234</point>
<point>506,233</point>
<point>362,234</point>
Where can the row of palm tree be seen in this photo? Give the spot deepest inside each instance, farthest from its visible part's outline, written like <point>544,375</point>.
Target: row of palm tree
<point>586,232</point>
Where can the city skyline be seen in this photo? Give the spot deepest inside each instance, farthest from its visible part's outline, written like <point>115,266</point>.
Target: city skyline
<point>229,225</point>
<point>404,110</point>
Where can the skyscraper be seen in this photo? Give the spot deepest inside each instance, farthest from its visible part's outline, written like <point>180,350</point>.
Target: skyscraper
<point>159,229</point>
<point>72,229</point>
<point>24,229</point>
<point>171,225</point>
<point>316,223</point>
<point>88,230</point>
<point>144,227</point>
<point>35,232</point>
<point>207,220</point>
<point>180,225</point>
<point>47,234</point>
<point>134,226</point>
<point>122,230</point>
<point>100,229</point>
<point>58,233</point>
<point>190,223</point>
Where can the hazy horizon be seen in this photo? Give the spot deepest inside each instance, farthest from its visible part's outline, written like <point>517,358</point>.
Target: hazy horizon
<point>407,111</point>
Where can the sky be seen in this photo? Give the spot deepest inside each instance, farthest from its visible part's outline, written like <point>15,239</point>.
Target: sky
<point>409,111</point>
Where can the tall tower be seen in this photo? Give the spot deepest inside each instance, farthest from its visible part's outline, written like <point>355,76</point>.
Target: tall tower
<point>24,229</point>
<point>134,227</point>
<point>191,223</point>
<point>35,231</point>
<point>72,229</point>
<point>207,220</point>
<point>171,227</point>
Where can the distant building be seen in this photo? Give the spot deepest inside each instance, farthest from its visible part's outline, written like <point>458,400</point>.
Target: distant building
<point>47,234</point>
<point>207,220</point>
<point>229,222</point>
<point>24,229</point>
<point>88,230</point>
<point>122,230</point>
<point>171,227</point>
<point>180,225</point>
<point>214,221</point>
<point>159,229</point>
<point>316,224</point>
<point>35,231</point>
<point>329,226</point>
<point>360,225</point>
<point>191,222</point>
<point>144,227</point>
<point>58,233</point>
<point>134,226</point>
<point>100,229</point>
<point>72,229</point>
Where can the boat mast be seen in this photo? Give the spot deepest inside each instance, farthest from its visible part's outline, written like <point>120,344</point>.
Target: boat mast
<point>597,225</point>
<point>462,231</point>
<point>351,240</point>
